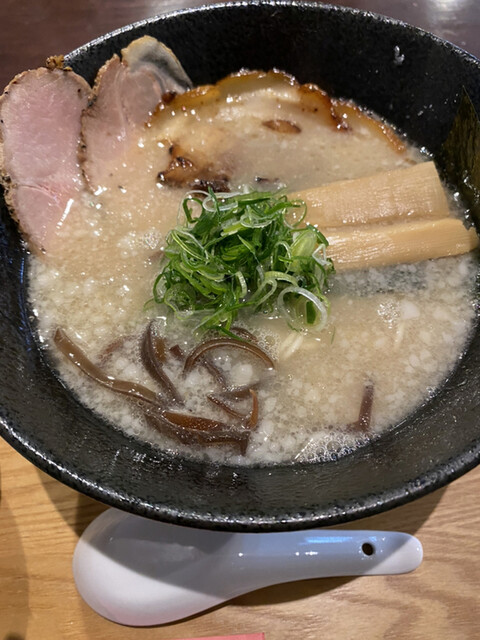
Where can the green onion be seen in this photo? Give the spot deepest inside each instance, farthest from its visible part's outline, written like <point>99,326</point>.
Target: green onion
<point>244,252</point>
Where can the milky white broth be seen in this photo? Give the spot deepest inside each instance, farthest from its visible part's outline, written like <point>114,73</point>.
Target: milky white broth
<point>402,328</point>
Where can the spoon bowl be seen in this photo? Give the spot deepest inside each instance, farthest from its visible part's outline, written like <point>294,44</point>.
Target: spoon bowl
<point>138,572</point>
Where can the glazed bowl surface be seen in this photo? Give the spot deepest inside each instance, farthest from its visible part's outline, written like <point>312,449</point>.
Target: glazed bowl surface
<point>412,79</point>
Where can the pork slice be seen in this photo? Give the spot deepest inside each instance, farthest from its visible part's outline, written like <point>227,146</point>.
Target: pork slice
<point>40,113</point>
<point>127,91</point>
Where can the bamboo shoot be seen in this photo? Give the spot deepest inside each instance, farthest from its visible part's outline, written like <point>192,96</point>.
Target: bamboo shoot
<point>382,245</point>
<point>401,194</point>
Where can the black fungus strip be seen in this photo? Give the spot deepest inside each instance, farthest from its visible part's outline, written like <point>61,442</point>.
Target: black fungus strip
<point>131,389</point>
<point>177,352</point>
<point>216,343</point>
<point>362,425</point>
<point>225,407</point>
<point>153,356</point>
<point>253,419</point>
<point>111,348</point>
<point>215,372</point>
<point>192,431</point>
<point>244,333</point>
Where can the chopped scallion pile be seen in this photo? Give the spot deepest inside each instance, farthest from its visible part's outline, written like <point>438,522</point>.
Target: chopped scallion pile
<point>244,251</point>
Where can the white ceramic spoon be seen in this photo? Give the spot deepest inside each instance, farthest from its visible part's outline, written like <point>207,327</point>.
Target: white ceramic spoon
<point>139,572</point>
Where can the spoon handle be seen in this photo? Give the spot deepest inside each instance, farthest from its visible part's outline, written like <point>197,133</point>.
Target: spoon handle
<point>141,572</point>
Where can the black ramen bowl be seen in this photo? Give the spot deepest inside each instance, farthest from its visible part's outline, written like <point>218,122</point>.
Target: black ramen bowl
<point>415,81</point>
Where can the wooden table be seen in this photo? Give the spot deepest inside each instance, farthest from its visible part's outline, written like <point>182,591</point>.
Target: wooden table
<point>41,519</point>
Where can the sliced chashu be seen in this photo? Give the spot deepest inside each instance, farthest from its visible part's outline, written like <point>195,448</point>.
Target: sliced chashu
<point>39,136</point>
<point>263,128</point>
<point>126,92</point>
<point>281,87</point>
